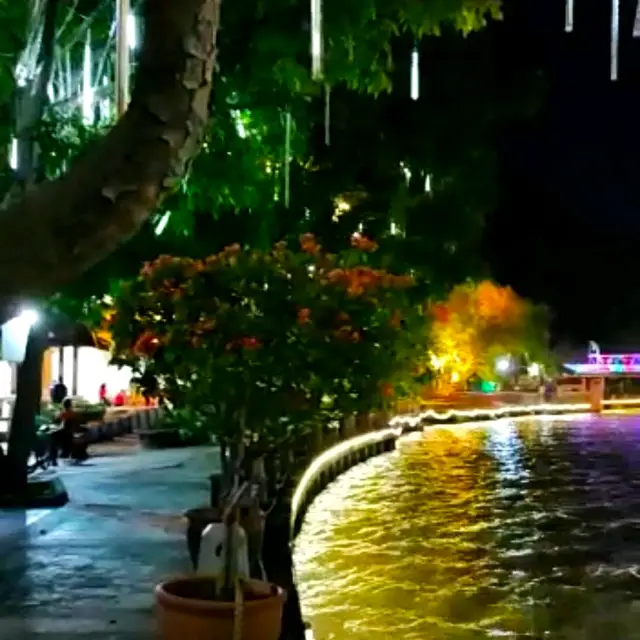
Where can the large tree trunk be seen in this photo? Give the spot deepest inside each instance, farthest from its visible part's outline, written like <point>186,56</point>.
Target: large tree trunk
<point>22,431</point>
<point>61,228</point>
<point>31,97</point>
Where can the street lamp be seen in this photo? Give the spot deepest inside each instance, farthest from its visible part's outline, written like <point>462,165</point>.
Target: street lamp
<point>503,364</point>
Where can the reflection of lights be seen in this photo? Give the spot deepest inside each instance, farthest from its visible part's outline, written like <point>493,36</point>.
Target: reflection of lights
<point>503,436</point>
<point>503,364</point>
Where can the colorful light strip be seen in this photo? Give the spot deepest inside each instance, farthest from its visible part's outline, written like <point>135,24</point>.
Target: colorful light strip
<point>603,368</point>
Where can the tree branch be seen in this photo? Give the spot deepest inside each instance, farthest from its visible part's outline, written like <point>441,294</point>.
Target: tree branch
<point>61,228</point>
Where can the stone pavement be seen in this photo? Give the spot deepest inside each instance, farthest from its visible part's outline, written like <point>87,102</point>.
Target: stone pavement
<point>88,570</point>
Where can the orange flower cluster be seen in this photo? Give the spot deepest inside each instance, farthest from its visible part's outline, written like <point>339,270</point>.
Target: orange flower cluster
<point>247,343</point>
<point>359,280</point>
<point>387,390</point>
<point>146,344</point>
<point>309,244</point>
<point>362,243</point>
<point>304,315</point>
<point>347,334</point>
<point>345,331</point>
<point>396,319</point>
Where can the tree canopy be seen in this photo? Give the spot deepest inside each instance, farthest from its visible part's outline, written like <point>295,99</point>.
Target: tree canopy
<point>74,221</point>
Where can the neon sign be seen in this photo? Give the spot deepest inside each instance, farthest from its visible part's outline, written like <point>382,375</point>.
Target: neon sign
<point>603,363</point>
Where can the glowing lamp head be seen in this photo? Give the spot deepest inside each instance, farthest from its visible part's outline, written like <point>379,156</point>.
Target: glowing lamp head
<point>503,364</point>
<point>29,317</point>
<point>534,370</point>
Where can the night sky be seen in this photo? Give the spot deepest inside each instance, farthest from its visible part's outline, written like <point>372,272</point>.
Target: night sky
<point>567,230</point>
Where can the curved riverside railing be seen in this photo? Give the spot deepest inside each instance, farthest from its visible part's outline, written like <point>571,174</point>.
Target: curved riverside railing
<point>336,459</point>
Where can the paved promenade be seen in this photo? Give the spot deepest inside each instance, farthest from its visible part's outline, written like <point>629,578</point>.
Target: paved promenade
<point>88,570</point>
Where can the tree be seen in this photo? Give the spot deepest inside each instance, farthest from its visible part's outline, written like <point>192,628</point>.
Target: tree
<point>150,148</point>
<point>479,323</point>
<point>72,222</point>
<point>263,344</point>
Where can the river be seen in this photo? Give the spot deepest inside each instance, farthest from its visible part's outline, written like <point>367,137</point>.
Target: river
<point>525,528</point>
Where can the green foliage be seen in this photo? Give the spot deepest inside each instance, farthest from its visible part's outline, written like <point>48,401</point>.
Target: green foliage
<point>266,342</point>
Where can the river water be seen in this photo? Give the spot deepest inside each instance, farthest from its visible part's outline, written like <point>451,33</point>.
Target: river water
<point>508,529</point>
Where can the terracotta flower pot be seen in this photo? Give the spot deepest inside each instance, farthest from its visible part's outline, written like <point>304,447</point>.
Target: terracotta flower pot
<point>186,609</point>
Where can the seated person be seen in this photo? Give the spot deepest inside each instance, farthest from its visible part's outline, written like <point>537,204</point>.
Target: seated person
<point>63,440</point>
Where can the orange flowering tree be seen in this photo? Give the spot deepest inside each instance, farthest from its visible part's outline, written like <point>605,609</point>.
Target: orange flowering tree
<point>480,322</point>
<point>262,343</point>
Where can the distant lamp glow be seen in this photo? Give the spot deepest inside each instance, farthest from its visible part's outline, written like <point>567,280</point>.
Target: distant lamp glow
<point>534,370</point>
<point>503,364</point>
<point>427,183</point>
<point>455,377</point>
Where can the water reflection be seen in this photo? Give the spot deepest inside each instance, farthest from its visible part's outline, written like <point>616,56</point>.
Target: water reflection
<point>514,529</point>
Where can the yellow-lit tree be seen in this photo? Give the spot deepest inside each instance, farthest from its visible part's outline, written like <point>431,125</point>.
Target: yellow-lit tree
<point>478,323</point>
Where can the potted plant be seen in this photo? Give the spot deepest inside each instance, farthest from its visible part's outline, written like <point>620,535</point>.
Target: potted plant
<point>222,605</point>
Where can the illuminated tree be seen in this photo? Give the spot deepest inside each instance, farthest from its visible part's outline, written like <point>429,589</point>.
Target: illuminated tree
<point>479,323</point>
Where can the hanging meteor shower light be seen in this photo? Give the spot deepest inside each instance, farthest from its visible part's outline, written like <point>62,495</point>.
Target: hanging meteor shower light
<point>568,16</point>
<point>615,37</point>
<point>615,31</point>
<point>415,73</point>
<point>317,53</point>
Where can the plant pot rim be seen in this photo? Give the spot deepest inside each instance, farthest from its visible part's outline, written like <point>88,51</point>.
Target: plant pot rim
<point>203,513</point>
<point>213,607</point>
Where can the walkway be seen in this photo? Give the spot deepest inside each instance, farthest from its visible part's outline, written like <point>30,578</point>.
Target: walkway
<point>88,570</point>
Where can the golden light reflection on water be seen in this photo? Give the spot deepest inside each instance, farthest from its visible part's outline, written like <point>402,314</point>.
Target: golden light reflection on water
<point>515,529</point>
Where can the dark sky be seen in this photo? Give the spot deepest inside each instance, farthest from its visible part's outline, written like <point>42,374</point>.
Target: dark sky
<point>567,231</point>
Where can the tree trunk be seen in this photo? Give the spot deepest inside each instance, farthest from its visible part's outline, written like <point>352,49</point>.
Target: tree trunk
<point>61,228</point>
<point>22,431</point>
<point>32,97</point>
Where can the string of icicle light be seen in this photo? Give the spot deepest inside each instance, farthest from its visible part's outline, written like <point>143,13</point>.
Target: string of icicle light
<point>615,30</point>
